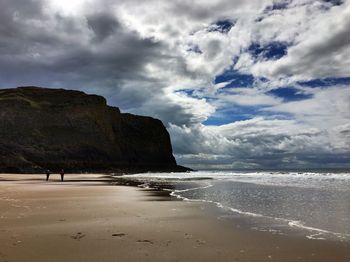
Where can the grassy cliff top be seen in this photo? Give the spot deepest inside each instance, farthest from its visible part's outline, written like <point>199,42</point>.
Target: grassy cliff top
<point>37,96</point>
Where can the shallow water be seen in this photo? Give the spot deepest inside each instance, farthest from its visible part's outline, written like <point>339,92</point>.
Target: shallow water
<point>314,204</point>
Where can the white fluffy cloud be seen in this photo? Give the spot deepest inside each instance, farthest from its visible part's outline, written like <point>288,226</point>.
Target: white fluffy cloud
<point>319,131</point>
<point>320,40</point>
<point>261,143</point>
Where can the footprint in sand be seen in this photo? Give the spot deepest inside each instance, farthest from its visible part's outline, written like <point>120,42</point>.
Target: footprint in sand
<point>144,241</point>
<point>200,242</point>
<point>118,235</point>
<point>78,236</point>
<point>188,236</point>
<point>2,255</point>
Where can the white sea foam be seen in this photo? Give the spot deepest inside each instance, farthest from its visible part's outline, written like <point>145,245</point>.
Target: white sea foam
<point>218,204</point>
<point>339,181</point>
<point>316,233</point>
<point>305,181</point>
<point>193,188</point>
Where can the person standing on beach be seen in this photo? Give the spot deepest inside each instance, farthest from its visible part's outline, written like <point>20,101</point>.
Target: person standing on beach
<point>47,174</point>
<point>62,174</point>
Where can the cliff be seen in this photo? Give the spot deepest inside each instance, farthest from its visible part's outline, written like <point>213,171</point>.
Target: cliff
<point>52,129</point>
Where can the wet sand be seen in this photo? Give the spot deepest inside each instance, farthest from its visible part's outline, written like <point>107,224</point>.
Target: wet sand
<point>87,218</point>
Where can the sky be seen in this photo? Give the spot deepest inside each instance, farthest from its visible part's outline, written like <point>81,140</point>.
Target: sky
<point>258,84</point>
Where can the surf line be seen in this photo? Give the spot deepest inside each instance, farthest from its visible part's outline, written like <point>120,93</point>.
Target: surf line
<point>289,222</point>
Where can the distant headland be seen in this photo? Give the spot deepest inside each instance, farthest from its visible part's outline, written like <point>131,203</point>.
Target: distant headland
<point>43,128</point>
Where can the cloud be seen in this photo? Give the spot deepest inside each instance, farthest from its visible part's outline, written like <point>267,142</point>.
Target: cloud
<point>52,49</point>
<point>319,42</point>
<point>316,135</point>
<point>247,97</point>
<point>103,25</point>
<point>258,143</point>
<point>327,108</point>
<point>189,62</point>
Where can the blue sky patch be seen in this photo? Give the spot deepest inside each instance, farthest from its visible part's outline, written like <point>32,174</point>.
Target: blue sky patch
<point>289,94</point>
<point>236,113</point>
<point>188,92</point>
<point>230,118</point>
<point>273,50</point>
<point>236,79</point>
<point>334,2</point>
<point>278,5</point>
<point>326,82</point>
<point>229,115</point>
<point>222,26</point>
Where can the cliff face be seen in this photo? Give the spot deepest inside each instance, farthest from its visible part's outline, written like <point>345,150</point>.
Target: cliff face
<point>54,128</point>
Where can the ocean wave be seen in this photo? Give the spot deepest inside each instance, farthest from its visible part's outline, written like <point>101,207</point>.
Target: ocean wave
<point>339,181</point>
<point>203,175</point>
<point>193,188</point>
<point>319,231</point>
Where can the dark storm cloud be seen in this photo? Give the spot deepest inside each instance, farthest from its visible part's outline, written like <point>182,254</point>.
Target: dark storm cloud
<point>11,27</point>
<point>48,49</point>
<point>103,25</point>
<point>24,8</point>
<point>94,53</point>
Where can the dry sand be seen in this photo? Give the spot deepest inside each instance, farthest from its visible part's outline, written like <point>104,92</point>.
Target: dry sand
<point>87,219</point>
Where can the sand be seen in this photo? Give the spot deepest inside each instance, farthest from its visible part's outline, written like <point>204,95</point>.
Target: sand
<point>87,218</point>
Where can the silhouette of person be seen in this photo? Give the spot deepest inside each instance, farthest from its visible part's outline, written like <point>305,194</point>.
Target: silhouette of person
<point>47,174</point>
<point>62,174</point>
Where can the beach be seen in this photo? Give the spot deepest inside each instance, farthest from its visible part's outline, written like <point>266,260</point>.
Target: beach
<point>90,218</point>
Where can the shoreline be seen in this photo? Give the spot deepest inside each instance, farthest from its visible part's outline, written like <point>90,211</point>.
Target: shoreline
<point>87,218</point>
<point>253,221</point>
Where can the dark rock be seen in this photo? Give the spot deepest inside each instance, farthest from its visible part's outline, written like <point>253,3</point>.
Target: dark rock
<point>43,128</point>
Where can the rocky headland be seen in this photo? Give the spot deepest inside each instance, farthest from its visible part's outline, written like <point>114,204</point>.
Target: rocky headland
<point>42,128</point>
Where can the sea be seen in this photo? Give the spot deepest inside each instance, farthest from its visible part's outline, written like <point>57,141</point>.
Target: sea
<point>315,205</point>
